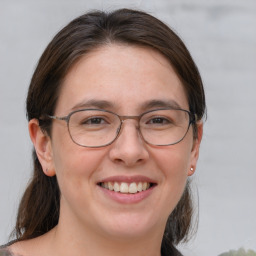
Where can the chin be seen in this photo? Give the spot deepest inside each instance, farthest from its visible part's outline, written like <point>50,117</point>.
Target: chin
<point>132,226</point>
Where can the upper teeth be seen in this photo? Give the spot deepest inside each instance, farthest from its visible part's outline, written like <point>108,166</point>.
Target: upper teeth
<point>124,187</point>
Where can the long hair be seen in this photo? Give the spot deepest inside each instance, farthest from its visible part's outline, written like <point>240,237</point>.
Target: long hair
<point>39,208</point>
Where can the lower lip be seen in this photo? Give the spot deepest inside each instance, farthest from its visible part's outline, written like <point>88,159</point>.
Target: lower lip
<point>126,198</point>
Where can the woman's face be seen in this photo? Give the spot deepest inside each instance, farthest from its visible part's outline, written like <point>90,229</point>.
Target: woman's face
<point>124,80</point>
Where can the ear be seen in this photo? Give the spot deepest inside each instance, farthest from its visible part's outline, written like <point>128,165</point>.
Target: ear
<point>43,147</point>
<point>195,149</point>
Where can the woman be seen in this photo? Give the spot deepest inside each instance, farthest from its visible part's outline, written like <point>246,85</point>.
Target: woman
<point>114,108</point>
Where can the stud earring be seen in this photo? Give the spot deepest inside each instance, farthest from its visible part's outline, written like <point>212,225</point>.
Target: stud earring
<point>192,170</point>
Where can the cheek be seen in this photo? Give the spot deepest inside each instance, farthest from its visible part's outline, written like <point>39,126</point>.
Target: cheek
<point>74,165</point>
<point>174,161</point>
<point>75,173</point>
<point>175,170</point>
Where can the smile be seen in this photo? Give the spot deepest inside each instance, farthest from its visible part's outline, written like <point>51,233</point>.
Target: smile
<point>126,188</point>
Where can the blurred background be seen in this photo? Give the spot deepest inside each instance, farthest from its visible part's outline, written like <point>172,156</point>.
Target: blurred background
<point>221,36</point>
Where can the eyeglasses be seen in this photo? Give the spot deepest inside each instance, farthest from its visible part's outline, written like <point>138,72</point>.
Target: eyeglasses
<point>98,128</point>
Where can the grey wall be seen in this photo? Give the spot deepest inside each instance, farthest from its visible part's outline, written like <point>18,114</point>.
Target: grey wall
<point>221,36</point>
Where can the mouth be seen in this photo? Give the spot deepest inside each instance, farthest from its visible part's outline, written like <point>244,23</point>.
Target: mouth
<point>125,187</point>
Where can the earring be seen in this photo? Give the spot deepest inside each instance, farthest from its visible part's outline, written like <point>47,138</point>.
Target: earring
<point>49,172</point>
<point>192,170</point>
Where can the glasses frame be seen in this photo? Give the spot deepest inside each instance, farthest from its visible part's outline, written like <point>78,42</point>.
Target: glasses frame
<point>192,120</point>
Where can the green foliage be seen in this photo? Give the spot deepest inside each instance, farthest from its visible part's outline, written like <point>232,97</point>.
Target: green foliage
<point>240,252</point>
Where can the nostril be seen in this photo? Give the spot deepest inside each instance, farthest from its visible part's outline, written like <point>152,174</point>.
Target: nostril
<point>118,161</point>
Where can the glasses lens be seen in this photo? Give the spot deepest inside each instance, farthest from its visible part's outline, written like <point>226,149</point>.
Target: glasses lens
<point>164,127</point>
<point>93,128</point>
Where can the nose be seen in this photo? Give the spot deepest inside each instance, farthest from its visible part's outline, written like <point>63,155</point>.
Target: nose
<point>129,148</point>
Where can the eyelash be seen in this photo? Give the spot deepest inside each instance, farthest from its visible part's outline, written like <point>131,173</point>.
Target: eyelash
<point>91,119</point>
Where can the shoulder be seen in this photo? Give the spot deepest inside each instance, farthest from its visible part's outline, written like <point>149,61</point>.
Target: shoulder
<point>5,252</point>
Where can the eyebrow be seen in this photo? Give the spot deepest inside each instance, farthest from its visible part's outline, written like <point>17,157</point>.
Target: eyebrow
<point>161,103</point>
<point>150,104</point>
<point>101,104</point>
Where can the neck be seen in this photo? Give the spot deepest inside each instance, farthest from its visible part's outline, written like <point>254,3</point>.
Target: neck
<point>83,241</point>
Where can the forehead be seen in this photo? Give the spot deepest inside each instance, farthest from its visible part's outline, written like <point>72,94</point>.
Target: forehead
<point>125,76</point>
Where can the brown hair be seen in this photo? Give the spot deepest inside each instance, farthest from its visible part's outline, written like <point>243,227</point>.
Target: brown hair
<point>39,207</point>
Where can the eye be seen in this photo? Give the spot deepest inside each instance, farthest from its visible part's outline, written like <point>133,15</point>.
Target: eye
<point>93,121</point>
<point>158,120</point>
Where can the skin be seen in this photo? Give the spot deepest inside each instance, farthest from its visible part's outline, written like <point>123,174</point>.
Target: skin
<point>91,223</point>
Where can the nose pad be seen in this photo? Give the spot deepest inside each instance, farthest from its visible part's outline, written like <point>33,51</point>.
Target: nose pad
<point>119,129</point>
